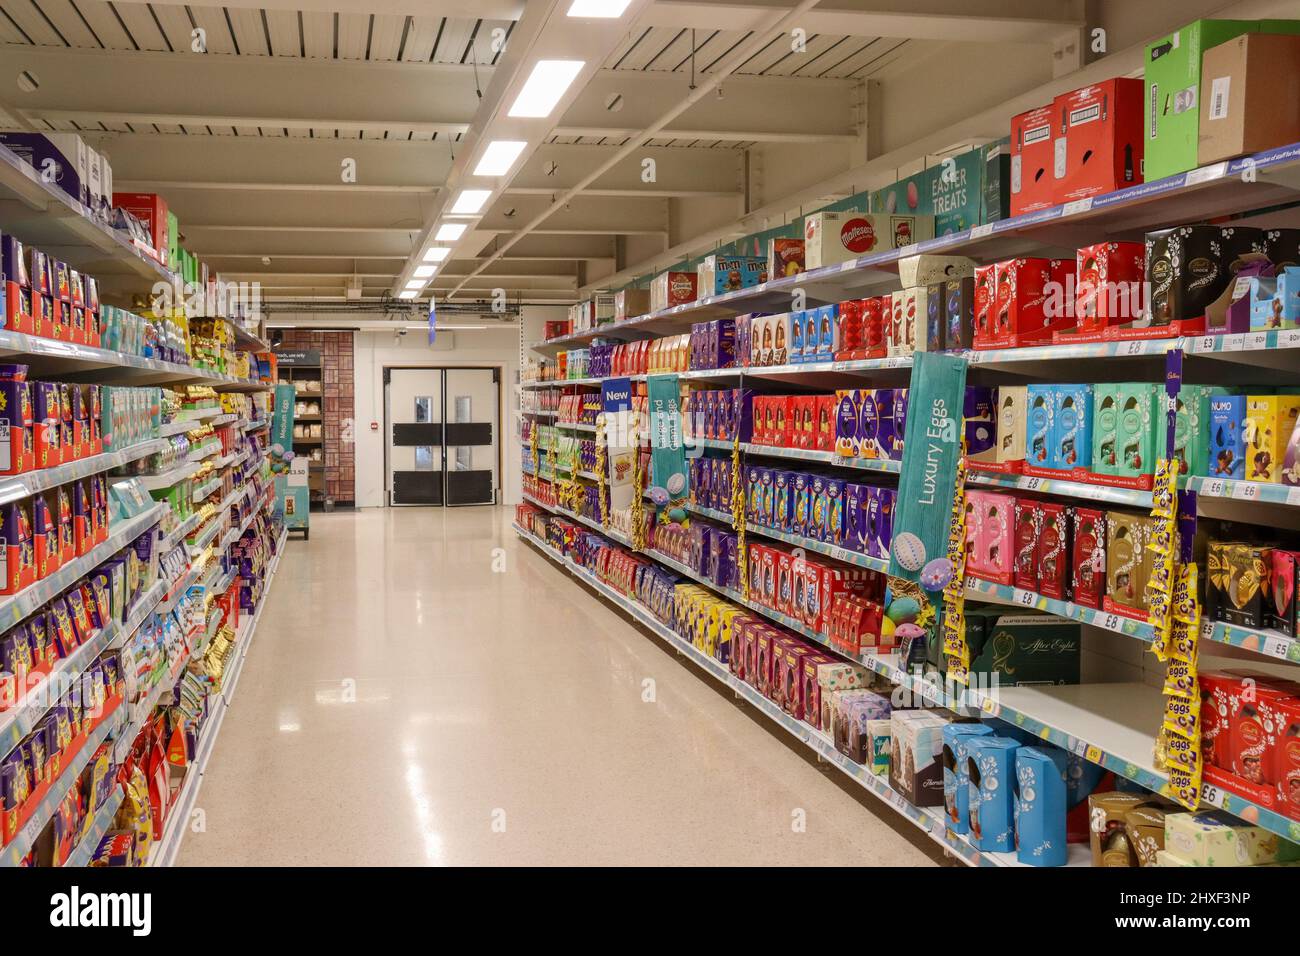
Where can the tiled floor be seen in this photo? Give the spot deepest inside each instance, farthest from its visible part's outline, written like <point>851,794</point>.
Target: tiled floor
<point>424,688</point>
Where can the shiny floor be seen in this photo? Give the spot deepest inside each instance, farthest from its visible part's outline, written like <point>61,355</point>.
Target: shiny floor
<point>426,689</point>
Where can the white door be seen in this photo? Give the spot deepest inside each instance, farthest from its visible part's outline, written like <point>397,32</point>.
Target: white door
<point>441,438</point>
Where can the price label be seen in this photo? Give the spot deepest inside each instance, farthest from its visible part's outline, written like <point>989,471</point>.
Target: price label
<point>982,231</point>
<point>1214,487</point>
<point>1023,597</point>
<point>1245,490</point>
<point>1205,174</point>
<point>1293,496</point>
<point>1033,484</point>
<point>1256,341</point>
<point>1234,343</point>
<point>1288,339</point>
<point>1078,207</point>
<point>1110,622</point>
<point>1136,347</point>
<point>842,366</point>
<point>1093,754</point>
<point>839,554</point>
<point>1206,343</point>
<point>1211,795</point>
<point>1207,630</point>
<point>1277,647</point>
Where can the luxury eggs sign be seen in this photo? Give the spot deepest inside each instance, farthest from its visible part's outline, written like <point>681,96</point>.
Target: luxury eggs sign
<point>919,568</point>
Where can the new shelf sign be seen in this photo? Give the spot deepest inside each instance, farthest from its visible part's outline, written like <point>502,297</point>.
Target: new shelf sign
<point>616,403</point>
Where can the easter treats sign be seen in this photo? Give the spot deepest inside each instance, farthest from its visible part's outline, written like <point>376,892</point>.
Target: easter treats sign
<point>670,485</point>
<point>919,568</point>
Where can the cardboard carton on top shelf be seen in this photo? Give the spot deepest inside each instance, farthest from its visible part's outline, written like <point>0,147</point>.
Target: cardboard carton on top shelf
<point>1033,184</point>
<point>1243,84</point>
<point>1099,139</point>
<point>1172,73</point>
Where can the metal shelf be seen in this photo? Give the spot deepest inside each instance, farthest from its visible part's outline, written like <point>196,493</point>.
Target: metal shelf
<point>15,607</point>
<point>44,216</point>
<point>168,478</point>
<point>21,844</point>
<point>165,849</point>
<point>17,722</point>
<point>32,482</point>
<point>1220,189</point>
<point>96,827</point>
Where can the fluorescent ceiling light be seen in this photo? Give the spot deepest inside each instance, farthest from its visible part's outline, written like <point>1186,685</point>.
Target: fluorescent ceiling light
<point>470,201</point>
<point>423,272</point>
<point>545,86</point>
<point>604,9</point>
<point>499,156</point>
<point>450,231</point>
<point>407,294</point>
<point>436,254</point>
<point>415,284</point>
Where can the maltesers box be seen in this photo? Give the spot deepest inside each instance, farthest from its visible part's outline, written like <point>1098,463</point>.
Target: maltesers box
<point>1242,83</point>
<point>785,257</point>
<point>1033,164</point>
<point>834,237</point>
<point>1100,139</point>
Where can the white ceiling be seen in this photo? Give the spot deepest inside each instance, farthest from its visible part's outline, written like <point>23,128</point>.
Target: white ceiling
<point>246,141</point>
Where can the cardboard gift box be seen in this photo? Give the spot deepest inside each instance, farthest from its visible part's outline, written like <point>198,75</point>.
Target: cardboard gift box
<point>1219,839</point>
<point>1040,806</point>
<point>915,764</point>
<point>956,772</point>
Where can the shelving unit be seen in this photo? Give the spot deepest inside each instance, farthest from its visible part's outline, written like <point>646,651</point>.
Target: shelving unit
<point>44,218</point>
<point>1110,724</point>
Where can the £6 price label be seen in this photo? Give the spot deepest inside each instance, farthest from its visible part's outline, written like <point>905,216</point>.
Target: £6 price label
<point>1245,490</point>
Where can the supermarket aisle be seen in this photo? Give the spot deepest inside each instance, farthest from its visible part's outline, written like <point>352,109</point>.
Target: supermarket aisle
<point>402,701</point>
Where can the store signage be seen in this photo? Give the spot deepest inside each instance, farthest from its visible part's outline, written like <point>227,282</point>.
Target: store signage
<point>295,357</point>
<point>919,567</point>
<point>292,496</point>
<point>670,485</point>
<point>620,452</point>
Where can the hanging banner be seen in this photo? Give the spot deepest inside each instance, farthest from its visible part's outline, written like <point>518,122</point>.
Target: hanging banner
<point>670,485</point>
<point>433,322</point>
<point>620,456</point>
<point>919,564</point>
<point>292,496</point>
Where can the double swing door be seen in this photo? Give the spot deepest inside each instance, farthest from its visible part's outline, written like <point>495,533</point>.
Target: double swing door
<point>442,431</point>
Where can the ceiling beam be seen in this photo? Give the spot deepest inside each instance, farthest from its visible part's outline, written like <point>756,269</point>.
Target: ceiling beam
<point>711,135</point>
<point>273,160</point>
<point>251,90</point>
<point>1007,21</point>
<point>467,9</point>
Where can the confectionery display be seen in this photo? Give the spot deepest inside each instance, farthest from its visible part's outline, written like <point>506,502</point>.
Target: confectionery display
<point>766,489</point>
<point>139,540</point>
